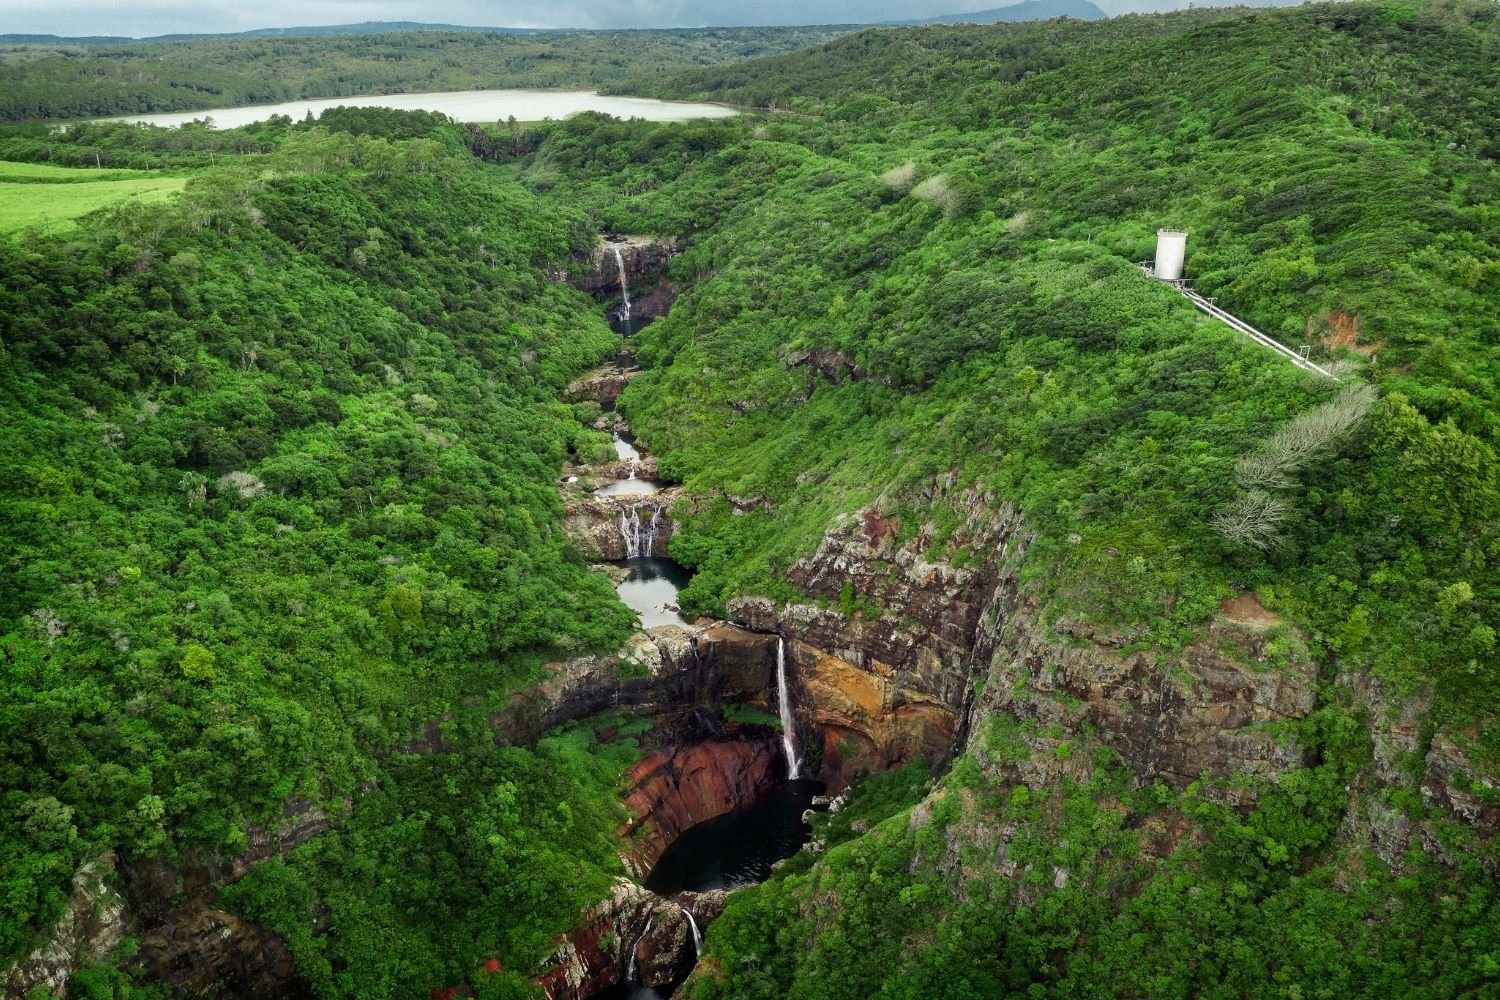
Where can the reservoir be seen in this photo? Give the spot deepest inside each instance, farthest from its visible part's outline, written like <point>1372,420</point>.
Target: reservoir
<point>461,105</point>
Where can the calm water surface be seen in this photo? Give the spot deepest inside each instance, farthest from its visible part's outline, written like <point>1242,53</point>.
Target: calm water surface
<point>737,848</point>
<point>653,582</point>
<point>463,105</point>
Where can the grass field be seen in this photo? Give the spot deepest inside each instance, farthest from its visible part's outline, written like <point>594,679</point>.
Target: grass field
<point>34,194</point>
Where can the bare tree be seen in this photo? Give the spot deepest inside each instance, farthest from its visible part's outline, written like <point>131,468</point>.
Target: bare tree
<point>1253,519</point>
<point>1304,436</point>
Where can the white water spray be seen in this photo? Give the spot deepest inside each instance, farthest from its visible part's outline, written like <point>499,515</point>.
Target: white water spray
<point>639,537</point>
<point>630,969</point>
<point>697,937</point>
<point>788,724</point>
<point>624,285</point>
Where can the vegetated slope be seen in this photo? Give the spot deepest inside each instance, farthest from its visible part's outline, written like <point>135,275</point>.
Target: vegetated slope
<point>933,281</point>
<point>972,260</point>
<point>64,81</point>
<point>280,491</point>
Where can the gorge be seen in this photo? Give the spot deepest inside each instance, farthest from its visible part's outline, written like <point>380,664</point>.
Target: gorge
<point>790,555</point>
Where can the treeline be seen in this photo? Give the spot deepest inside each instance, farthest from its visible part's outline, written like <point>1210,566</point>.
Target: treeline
<point>39,82</point>
<point>282,491</point>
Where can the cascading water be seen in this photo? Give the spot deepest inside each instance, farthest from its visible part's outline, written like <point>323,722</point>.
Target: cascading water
<point>639,537</point>
<point>697,937</point>
<point>630,968</point>
<point>788,723</point>
<point>624,285</point>
<point>630,531</point>
<point>651,530</point>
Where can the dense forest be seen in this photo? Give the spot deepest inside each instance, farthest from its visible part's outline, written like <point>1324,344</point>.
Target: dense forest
<point>285,459</point>
<point>282,490</point>
<point>63,81</point>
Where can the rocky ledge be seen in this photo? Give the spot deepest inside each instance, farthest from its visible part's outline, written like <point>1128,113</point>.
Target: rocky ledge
<point>645,259</point>
<point>656,931</point>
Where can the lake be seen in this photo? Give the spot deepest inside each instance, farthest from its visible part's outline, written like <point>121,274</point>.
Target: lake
<point>462,105</point>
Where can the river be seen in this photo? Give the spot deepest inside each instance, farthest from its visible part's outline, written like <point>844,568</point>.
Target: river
<point>462,105</point>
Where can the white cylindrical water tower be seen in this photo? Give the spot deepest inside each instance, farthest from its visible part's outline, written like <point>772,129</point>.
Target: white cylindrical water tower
<point>1171,248</point>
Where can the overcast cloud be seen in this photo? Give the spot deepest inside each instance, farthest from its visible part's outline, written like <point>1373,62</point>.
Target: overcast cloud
<point>160,17</point>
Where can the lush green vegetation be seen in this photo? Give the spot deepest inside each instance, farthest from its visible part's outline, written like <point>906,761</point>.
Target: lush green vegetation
<point>284,455</point>
<point>965,247</point>
<point>992,888</point>
<point>926,281</point>
<point>281,491</point>
<point>86,81</point>
<point>449,862</point>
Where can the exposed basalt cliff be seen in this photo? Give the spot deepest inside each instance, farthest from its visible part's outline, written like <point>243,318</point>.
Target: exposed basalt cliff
<point>880,689</point>
<point>596,954</point>
<point>184,940</point>
<point>1411,761</point>
<point>94,923</point>
<point>603,527</point>
<point>645,260</point>
<point>602,385</point>
<point>674,788</point>
<point>883,688</point>
<point>1202,712</point>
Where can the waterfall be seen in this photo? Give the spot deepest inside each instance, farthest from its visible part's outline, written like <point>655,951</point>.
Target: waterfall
<point>630,969</point>
<point>788,724</point>
<point>651,531</point>
<point>639,538</point>
<point>697,938</point>
<point>630,530</point>
<point>624,285</point>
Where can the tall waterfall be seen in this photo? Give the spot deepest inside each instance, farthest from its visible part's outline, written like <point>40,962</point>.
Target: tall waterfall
<point>624,285</point>
<point>639,537</point>
<point>630,969</point>
<point>697,937</point>
<point>788,724</point>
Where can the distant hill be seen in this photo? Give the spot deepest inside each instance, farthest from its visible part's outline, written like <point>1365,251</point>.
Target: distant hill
<point>1029,10</point>
<point>363,28</point>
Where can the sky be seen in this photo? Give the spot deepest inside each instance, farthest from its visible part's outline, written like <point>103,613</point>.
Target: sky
<point>158,17</point>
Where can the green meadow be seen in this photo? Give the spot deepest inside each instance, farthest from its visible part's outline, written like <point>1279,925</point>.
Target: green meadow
<point>34,194</point>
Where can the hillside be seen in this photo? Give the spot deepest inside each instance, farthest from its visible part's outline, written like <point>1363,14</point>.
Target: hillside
<point>63,80</point>
<point>918,298</point>
<point>1028,10</point>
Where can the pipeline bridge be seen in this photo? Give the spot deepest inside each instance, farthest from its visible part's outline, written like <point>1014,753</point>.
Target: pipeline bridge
<point>1298,358</point>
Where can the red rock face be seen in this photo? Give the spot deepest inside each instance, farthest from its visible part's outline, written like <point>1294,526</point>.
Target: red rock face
<point>672,790</point>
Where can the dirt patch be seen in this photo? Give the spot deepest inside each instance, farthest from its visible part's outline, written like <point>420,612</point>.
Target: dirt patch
<point>1339,329</point>
<point>1246,610</point>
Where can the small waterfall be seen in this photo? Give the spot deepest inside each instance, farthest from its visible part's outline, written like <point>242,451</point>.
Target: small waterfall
<point>651,531</point>
<point>788,724</point>
<point>697,937</point>
<point>639,537</point>
<point>630,530</point>
<point>630,969</point>
<point>624,285</point>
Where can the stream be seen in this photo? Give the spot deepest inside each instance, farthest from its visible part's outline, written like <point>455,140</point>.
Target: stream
<point>738,848</point>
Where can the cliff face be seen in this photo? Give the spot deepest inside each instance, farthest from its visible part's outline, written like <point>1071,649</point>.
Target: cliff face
<point>645,261</point>
<point>675,788</point>
<point>185,941</point>
<point>94,923</point>
<point>875,690</point>
<point>632,922</point>
<point>881,689</point>
<point>603,527</point>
